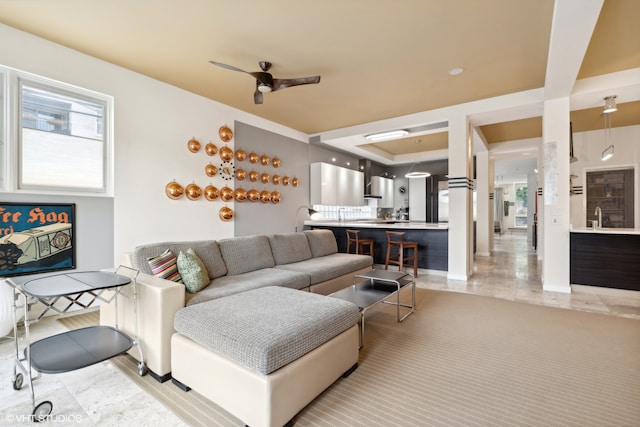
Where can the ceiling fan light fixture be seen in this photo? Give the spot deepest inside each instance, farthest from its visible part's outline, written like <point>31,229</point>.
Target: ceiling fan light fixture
<point>610,104</point>
<point>264,88</point>
<point>375,137</point>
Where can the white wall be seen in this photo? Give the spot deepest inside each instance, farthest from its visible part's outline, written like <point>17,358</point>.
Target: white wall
<point>153,122</point>
<point>588,147</point>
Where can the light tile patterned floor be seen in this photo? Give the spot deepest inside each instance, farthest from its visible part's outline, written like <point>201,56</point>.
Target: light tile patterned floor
<point>513,272</point>
<point>101,395</point>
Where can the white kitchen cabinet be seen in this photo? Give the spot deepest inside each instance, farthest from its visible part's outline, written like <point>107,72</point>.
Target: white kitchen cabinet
<point>382,187</point>
<point>335,185</point>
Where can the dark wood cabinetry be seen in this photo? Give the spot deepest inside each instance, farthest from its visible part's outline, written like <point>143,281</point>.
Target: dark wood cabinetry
<point>605,259</point>
<point>612,191</point>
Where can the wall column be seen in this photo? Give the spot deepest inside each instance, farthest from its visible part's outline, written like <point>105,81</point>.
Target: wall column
<point>460,199</point>
<point>484,217</point>
<point>555,195</point>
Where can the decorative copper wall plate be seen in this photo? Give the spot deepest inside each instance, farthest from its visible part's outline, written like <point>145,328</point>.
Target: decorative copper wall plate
<point>295,182</point>
<point>210,170</point>
<point>225,133</point>
<point>173,190</point>
<point>241,155</point>
<point>211,149</point>
<point>275,179</point>
<point>226,194</point>
<point>194,192</point>
<point>241,174</point>
<point>253,157</point>
<point>275,197</point>
<point>225,213</point>
<point>286,180</point>
<point>240,194</point>
<point>264,160</point>
<point>254,176</point>
<point>265,178</point>
<point>211,193</point>
<point>265,196</point>
<point>253,195</point>
<point>193,145</point>
<point>275,162</point>
<point>226,154</point>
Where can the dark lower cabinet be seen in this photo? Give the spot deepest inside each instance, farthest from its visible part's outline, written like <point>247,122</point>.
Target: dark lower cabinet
<point>606,260</point>
<point>433,245</point>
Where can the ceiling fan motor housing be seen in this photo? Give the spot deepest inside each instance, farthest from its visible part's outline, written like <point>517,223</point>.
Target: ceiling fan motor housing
<point>265,82</point>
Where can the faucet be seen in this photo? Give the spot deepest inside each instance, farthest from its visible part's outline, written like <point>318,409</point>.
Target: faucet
<point>339,216</point>
<point>599,213</point>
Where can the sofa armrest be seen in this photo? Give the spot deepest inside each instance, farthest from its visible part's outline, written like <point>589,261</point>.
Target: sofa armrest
<point>158,302</point>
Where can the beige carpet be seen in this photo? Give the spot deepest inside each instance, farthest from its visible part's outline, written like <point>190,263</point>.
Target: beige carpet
<point>465,360</point>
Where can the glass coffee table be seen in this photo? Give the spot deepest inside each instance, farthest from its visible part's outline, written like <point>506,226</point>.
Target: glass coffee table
<point>376,286</point>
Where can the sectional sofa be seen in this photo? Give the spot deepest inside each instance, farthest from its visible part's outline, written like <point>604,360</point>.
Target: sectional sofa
<point>306,261</point>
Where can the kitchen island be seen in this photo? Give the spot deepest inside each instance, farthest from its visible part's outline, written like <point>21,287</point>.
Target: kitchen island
<point>432,238</point>
<point>606,257</point>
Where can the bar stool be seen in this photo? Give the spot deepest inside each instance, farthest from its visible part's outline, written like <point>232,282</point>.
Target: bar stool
<point>353,239</point>
<point>395,239</point>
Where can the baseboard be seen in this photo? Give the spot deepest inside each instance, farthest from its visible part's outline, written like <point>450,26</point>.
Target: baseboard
<point>460,277</point>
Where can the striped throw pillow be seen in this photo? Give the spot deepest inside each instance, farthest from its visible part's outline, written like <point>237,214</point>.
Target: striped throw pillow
<point>165,266</point>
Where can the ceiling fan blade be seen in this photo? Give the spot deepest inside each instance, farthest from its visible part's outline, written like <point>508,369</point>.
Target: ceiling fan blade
<point>257,97</point>
<point>229,67</point>
<point>279,84</point>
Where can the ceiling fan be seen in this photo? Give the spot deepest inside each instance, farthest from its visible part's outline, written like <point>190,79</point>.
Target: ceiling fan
<point>265,82</point>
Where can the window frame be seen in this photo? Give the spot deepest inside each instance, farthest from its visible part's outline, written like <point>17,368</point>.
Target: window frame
<point>516,186</point>
<point>11,130</point>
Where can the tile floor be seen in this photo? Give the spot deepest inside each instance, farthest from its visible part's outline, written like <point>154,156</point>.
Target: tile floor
<point>101,395</point>
<point>513,272</point>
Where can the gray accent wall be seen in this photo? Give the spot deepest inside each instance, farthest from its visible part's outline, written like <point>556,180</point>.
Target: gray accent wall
<point>263,218</point>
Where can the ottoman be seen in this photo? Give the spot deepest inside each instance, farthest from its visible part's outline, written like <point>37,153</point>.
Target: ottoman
<point>263,355</point>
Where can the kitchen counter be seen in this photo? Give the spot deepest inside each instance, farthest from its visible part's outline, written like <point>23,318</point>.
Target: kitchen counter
<point>379,223</point>
<point>432,238</point>
<point>605,230</point>
<point>605,257</point>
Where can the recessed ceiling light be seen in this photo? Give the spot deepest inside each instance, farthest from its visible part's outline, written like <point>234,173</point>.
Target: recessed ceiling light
<point>387,135</point>
<point>456,71</point>
<point>417,141</point>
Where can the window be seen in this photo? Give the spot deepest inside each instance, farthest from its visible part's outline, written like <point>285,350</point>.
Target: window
<point>520,215</point>
<point>59,137</point>
<point>62,143</point>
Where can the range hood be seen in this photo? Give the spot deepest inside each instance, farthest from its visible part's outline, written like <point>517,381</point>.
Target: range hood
<point>365,166</point>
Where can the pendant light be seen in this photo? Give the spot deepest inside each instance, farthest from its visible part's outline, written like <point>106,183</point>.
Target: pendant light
<point>609,107</point>
<point>416,174</point>
<point>610,104</point>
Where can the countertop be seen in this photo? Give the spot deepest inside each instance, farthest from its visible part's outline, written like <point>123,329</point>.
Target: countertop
<point>380,223</point>
<point>605,230</point>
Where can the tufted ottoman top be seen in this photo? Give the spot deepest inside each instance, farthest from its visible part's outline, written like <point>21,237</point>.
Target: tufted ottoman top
<point>267,328</point>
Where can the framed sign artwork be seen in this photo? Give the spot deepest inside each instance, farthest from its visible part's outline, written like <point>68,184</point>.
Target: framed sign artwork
<point>36,238</point>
